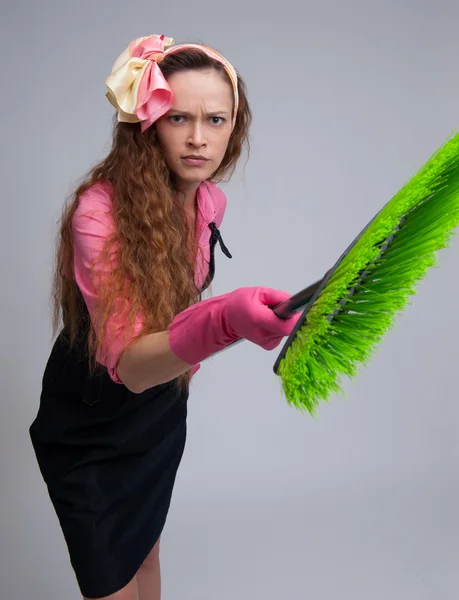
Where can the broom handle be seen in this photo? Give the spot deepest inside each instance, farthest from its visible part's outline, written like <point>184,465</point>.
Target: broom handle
<point>296,303</point>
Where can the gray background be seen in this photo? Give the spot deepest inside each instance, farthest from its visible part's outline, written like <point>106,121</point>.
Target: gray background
<point>349,99</point>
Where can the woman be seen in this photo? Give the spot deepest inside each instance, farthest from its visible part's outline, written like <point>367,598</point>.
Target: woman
<point>136,251</point>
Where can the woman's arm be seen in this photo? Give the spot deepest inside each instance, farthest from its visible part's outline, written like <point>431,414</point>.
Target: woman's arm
<point>143,361</point>
<point>149,361</point>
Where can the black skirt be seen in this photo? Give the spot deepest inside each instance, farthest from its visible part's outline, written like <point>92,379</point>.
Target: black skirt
<point>109,459</point>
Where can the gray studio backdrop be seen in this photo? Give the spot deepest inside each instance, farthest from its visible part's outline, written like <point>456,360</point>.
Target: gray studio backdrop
<point>349,99</point>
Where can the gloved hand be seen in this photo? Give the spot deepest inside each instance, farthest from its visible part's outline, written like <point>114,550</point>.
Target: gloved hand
<point>212,324</point>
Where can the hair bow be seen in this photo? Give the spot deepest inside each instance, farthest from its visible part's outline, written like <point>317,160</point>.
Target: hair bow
<point>138,89</point>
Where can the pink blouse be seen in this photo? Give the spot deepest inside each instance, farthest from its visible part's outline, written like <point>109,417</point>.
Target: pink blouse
<point>93,222</point>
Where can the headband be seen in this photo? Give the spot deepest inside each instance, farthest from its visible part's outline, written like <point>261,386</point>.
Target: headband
<point>137,87</point>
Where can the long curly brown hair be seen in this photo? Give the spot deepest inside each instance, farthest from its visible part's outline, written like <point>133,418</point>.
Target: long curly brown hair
<point>150,227</point>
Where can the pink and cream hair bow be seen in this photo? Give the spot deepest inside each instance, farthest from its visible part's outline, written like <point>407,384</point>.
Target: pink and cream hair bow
<point>138,89</point>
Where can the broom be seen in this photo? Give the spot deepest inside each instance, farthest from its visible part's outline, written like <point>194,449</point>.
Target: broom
<point>346,314</point>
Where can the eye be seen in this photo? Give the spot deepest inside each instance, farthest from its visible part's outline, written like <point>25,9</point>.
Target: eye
<point>175,118</point>
<point>217,120</point>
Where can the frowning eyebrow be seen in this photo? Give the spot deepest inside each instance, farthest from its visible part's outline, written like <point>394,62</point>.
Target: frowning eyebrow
<point>215,113</point>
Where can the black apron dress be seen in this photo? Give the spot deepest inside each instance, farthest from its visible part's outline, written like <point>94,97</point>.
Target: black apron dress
<point>109,458</point>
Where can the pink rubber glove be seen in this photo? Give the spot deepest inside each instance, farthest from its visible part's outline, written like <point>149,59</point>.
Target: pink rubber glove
<point>211,325</point>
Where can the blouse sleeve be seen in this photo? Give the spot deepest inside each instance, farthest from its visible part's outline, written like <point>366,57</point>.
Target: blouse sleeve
<point>92,224</point>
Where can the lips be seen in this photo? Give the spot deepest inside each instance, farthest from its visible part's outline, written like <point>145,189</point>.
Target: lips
<point>195,160</point>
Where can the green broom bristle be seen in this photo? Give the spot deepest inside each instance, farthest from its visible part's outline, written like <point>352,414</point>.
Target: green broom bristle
<point>373,282</point>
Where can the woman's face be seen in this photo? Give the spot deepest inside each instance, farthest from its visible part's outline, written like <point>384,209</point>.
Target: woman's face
<point>199,124</point>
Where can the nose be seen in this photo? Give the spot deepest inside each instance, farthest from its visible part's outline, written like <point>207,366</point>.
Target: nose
<point>196,136</point>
